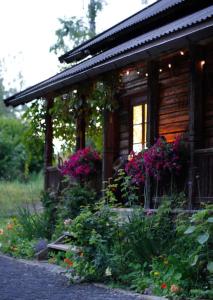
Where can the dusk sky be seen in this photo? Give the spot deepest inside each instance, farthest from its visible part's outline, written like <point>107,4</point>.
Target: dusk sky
<point>27,30</point>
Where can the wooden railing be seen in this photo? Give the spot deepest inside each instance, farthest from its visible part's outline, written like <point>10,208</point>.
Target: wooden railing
<point>204,175</point>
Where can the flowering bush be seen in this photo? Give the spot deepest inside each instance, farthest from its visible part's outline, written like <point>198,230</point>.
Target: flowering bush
<point>136,168</point>
<point>161,159</point>
<point>82,165</point>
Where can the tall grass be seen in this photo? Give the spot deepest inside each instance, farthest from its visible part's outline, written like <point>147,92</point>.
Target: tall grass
<point>17,194</point>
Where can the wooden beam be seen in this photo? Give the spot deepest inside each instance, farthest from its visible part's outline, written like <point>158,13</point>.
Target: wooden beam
<point>48,148</point>
<point>152,117</point>
<point>110,143</point>
<point>81,124</point>
<point>195,113</point>
<point>152,101</point>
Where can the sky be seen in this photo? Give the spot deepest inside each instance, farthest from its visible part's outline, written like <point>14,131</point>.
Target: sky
<point>27,30</point>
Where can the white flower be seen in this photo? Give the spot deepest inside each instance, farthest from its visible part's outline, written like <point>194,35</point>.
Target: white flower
<point>108,272</point>
<point>67,222</point>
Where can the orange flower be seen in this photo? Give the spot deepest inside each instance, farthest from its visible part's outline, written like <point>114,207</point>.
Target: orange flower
<point>1,231</point>
<point>9,226</point>
<point>163,285</point>
<point>174,288</point>
<point>68,262</point>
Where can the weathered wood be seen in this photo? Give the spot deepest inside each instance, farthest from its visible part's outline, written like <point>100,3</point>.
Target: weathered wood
<point>195,114</point>
<point>81,124</point>
<point>152,117</point>
<point>152,101</point>
<point>48,148</point>
<point>110,143</point>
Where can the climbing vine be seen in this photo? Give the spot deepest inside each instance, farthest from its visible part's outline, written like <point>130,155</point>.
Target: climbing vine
<point>100,95</point>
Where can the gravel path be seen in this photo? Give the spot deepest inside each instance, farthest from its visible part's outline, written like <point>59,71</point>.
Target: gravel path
<point>20,281</point>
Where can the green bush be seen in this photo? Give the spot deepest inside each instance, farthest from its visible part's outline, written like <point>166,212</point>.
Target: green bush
<point>74,199</point>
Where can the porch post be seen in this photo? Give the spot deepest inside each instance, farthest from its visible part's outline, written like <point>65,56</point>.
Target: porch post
<point>80,124</point>
<point>110,129</point>
<point>195,113</point>
<point>152,115</point>
<point>48,147</point>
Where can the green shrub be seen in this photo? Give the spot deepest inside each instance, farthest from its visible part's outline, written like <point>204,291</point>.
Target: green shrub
<point>33,225</point>
<point>73,200</point>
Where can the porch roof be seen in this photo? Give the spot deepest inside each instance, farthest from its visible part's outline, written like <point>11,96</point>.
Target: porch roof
<point>159,13</point>
<point>176,34</point>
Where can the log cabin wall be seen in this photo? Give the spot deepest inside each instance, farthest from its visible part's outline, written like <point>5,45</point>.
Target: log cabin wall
<point>134,85</point>
<point>208,101</point>
<point>204,156</point>
<point>174,97</point>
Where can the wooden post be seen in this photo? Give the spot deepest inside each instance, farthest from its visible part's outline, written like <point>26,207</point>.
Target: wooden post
<point>195,113</point>
<point>81,125</point>
<point>48,147</point>
<point>110,141</point>
<point>152,116</point>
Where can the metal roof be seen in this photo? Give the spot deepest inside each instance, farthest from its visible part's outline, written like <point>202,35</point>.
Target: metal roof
<point>100,63</point>
<point>150,11</point>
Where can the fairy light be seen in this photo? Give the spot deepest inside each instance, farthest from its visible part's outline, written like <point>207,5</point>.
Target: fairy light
<point>160,70</point>
<point>202,63</point>
<point>146,74</point>
<point>127,72</point>
<point>169,66</point>
<point>182,53</point>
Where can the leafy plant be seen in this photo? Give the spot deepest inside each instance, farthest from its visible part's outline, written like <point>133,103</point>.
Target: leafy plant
<point>74,199</point>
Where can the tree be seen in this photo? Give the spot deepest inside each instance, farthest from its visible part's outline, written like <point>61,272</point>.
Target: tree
<point>74,31</point>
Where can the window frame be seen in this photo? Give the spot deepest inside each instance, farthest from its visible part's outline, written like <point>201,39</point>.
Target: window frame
<point>136,101</point>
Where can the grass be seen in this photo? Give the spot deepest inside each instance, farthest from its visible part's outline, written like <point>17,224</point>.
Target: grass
<point>19,194</point>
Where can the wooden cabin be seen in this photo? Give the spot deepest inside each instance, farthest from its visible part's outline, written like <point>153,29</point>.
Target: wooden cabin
<point>164,54</point>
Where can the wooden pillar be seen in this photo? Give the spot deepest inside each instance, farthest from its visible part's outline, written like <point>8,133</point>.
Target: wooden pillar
<point>152,116</point>
<point>81,125</point>
<point>110,142</point>
<point>48,147</point>
<point>195,113</point>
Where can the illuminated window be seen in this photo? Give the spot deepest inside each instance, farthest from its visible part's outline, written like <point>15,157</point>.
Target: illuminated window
<point>139,127</point>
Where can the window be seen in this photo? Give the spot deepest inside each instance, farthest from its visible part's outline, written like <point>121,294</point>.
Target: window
<point>139,127</point>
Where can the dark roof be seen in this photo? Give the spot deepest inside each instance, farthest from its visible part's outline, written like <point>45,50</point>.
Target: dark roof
<point>142,46</point>
<point>160,10</point>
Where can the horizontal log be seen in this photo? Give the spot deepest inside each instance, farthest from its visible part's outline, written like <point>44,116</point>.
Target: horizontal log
<point>204,151</point>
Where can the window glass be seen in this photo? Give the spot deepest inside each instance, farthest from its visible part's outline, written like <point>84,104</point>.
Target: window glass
<point>139,127</point>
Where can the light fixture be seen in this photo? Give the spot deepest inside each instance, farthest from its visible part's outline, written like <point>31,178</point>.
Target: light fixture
<point>127,72</point>
<point>138,72</point>
<point>182,53</point>
<point>169,65</point>
<point>146,74</point>
<point>202,63</point>
<point>160,70</point>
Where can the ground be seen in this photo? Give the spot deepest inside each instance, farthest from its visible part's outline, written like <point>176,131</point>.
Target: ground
<point>21,281</point>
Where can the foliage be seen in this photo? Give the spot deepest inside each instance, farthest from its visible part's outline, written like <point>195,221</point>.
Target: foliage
<point>33,225</point>
<point>94,233</point>
<point>12,241</point>
<point>82,165</point>
<point>74,31</point>
<point>18,194</point>
<point>12,152</point>
<point>158,161</point>
<point>74,199</point>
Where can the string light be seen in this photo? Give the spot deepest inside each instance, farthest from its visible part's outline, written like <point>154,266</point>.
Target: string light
<point>146,74</point>
<point>169,65</point>
<point>138,72</point>
<point>181,53</point>
<point>202,63</point>
<point>127,72</point>
<point>160,70</point>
